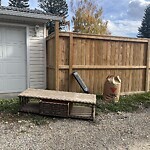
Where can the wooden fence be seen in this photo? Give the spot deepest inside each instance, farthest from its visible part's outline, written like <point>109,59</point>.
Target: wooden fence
<point>95,57</point>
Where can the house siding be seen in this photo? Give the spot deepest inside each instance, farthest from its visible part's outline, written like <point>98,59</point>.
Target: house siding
<point>37,58</point>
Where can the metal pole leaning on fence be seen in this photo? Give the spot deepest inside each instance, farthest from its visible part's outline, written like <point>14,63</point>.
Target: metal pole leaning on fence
<point>80,82</point>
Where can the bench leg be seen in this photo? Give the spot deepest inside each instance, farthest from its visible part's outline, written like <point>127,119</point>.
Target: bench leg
<point>26,100</point>
<point>93,112</point>
<point>23,100</point>
<point>20,101</point>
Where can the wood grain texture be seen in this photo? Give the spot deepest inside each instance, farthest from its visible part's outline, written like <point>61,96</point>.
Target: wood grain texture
<point>147,68</point>
<point>56,56</point>
<point>95,57</point>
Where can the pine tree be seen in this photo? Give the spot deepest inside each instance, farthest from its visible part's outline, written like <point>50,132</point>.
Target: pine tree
<point>144,30</point>
<point>19,3</point>
<point>55,7</point>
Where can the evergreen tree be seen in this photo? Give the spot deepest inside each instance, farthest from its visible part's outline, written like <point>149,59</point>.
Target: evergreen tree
<point>144,30</point>
<point>55,7</point>
<point>19,3</point>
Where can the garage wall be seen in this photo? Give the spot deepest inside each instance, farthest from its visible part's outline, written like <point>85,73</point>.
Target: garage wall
<point>37,58</point>
<point>36,54</point>
<point>13,72</point>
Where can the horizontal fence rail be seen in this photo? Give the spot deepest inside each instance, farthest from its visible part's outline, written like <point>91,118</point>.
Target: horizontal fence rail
<point>95,57</point>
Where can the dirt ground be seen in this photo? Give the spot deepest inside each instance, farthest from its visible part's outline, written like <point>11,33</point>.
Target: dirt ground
<point>112,131</point>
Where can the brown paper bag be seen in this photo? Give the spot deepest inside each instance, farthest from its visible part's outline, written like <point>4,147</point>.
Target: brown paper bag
<point>112,88</point>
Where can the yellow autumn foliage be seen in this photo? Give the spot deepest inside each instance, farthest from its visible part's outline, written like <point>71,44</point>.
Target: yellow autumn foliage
<point>87,17</point>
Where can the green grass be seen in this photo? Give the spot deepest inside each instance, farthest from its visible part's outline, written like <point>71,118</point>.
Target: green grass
<point>9,108</point>
<point>126,103</point>
<point>9,112</point>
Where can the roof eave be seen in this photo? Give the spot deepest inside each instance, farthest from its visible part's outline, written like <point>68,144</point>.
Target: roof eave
<point>42,17</point>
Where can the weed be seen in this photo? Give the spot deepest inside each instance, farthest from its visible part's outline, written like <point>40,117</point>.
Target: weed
<point>128,103</point>
<point>9,106</point>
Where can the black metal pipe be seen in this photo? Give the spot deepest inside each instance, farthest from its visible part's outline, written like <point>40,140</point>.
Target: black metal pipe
<point>80,82</point>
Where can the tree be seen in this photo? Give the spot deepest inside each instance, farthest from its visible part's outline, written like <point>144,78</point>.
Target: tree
<point>19,3</point>
<point>144,30</point>
<point>55,7</point>
<point>87,17</point>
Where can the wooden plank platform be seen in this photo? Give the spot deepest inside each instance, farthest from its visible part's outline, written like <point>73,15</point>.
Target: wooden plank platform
<point>59,96</point>
<point>58,103</point>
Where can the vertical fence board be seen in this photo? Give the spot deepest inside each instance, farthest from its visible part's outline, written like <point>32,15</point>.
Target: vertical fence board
<point>57,55</point>
<point>71,50</point>
<point>50,64</point>
<point>147,67</point>
<point>63,80</point>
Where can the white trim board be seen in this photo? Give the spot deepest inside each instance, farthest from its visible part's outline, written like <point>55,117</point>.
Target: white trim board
<point>45,35</point>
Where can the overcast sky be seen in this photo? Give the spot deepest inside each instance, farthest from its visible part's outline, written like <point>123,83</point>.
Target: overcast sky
<point>124,16</point>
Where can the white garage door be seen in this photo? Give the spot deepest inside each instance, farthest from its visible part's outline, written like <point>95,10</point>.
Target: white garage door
<point>12,59</point>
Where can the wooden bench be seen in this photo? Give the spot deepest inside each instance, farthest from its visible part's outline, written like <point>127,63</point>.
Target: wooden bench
<point>58,103</point>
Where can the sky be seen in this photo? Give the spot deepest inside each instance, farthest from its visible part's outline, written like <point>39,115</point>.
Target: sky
<point>123,16</point>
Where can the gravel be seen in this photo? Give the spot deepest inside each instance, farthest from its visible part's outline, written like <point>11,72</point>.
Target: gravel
<point>112,131</point>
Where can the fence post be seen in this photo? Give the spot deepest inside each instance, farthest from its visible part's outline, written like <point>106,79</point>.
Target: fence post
<point>56,55</point>
<point>147,67</point>
<point>70,60</point>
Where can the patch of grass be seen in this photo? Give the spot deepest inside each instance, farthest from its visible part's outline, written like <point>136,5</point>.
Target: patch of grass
<point>9,106</point>
<point>9,112</point>
<point>128,103</point>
